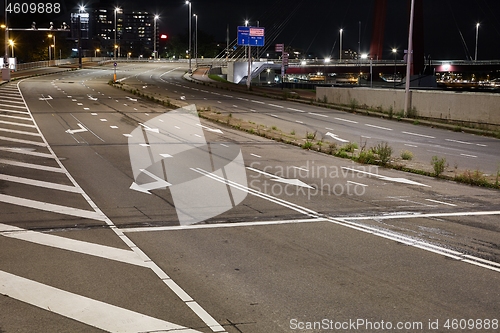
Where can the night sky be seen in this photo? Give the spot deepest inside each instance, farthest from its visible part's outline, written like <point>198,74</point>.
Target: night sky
<point>313,26</point>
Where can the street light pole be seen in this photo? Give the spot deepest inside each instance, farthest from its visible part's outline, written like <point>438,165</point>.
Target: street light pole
<point>395,51</point>
<point>477,37</point>
<point>5,70</point>
<point>11,43</point>
<point>196,40</point>
<point>340,56</point>
<point>115,46</point>
<point>155,34</point>
<point>409,59</point>
<point>190,27</point>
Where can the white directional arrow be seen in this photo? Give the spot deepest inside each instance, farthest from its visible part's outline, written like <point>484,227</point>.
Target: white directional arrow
<point>43,98</point>
<point>211,129</point>
<point>82,129</point>
<point>92,98</point>
<point>334,136</point>
<point>390,179</point>
<point>279,179</point>
<point>132,99</point>
<point>156,130</point>
<point>145,188</point>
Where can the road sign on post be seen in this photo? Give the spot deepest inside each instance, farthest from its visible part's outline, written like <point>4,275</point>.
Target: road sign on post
<point>251,36</point>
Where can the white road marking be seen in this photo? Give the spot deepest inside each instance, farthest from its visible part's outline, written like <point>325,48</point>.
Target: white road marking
<point>299,122</point>
<point>406,144</point>
<point>48,207</point>
<point>351,182</point>
<point>297,110</point>
<point>73,245</point>
<point>103,119</point>
<point>13,111</point>
<point>276,106</point>
<point>32,166</point>
<point>334,136</point>
<point>421,135</point>
<point>441,202</point>
<point>107,317</point>
<point>28,142</point>
<point>273,115</point>
<point>303,169</point>
<point>259,102</point>
<point>39,183</point>
<point>481,145</point>
<point>258,156</point>
<point>467,155</point>
<point>317,114</point>
<point>26,152</point>
<point>346,120</point>
<point>228,96</point>
<point>457,141</point>
<point>93,114</point>
<point>391,179</point>
<point>113,127</point>
<point>19,132</point>
<point>379,127</point>
<point>221,225</point>
<point>127,135</point>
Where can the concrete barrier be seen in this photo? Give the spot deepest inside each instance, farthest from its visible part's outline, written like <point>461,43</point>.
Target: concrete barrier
<point>480,110</point>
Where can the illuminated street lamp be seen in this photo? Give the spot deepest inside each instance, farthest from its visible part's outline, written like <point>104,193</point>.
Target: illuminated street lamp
<point>154,48</point>
<point>11,43</point>
<point>341,31</point>
<point>117,9</point>
<point>477,37</point>
<point>395,52</point>
<point>196,39</point>
<point>327,61</point>
<point>190,24</point>
<point>53,44</point>
<point>95,52</point>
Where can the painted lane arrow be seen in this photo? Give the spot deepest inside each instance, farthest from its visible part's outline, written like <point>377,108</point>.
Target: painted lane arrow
<point>82,129</point>
<point>279,179</point>
<point>390,179</point>
<point>145,188</point>
<point>132,99</point>
<point>334,136</point>
<point>147,128</point>
<point>92,98</point>
<point>211,129</point>
<point>43,98</point>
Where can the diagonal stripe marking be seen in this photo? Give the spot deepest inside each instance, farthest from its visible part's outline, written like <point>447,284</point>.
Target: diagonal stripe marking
<point>73,245</point>
<point>107,317</point>
<point>48,207</point>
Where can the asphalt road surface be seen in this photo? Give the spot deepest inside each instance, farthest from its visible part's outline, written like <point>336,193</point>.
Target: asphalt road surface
<point>119,216</point>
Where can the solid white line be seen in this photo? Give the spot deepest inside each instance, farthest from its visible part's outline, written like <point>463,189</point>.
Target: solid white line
<point>28,142</point>
<point>31,166</point>
<point>258,156</point>
<point>27,152</point>
<point>317,114</point>
<point>107,317</point>
<point>97,250</point>
<point>420,215</point>
<point>221,225</point>
<point>379,127</point>
<point>39,183</point>
<point>421,135</point>
<point>48,207</point>
<point>441,202</point>
<point>347,121</point>
<point>207,319</point>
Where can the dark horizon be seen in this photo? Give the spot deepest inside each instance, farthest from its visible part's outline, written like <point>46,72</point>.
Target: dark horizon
<point>313,27</point>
